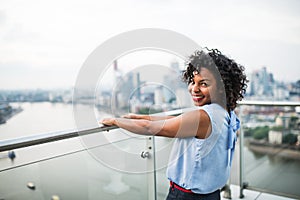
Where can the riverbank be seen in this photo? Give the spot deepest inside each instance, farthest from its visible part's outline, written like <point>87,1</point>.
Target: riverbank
<point>283,151</point>
<point>7,115</point>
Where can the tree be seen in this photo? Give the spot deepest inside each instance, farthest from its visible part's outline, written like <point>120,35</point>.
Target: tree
<point>293,122</point>
<point>277,128</point>
<point>289,138</point>
<point>260,132</point>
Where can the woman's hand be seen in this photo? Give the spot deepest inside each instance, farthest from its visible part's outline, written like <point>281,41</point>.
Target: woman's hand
<point>135,116</point>
<point>108,121</point>
<point>112,121</point>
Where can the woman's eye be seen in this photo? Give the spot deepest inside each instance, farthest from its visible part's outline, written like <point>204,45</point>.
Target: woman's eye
<point>203,84</point>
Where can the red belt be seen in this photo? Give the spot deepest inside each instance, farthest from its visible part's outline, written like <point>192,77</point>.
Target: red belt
<point>174,185</point>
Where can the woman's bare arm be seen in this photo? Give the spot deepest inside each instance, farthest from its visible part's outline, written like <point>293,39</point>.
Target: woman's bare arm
<point>146,117</point>
<point>191,124</point>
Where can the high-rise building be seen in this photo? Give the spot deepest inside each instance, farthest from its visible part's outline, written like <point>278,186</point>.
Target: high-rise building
<point>261,83</point>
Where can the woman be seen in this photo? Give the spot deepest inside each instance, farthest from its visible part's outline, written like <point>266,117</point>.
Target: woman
<point>201,157</point>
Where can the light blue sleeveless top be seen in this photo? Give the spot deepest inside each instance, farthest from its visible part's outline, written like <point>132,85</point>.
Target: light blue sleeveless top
<point>203,165</point>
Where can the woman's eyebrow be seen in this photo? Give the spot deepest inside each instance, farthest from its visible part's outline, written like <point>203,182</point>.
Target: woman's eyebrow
<point>204,80</point>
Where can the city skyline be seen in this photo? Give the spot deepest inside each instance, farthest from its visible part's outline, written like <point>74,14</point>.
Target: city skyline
<point>44,44</point>
<point>106,80</point>
<point>125,85</point>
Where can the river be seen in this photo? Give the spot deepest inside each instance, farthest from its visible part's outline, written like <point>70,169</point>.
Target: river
<point>267,172</point>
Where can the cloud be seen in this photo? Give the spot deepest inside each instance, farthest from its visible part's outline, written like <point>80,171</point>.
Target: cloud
<point>59,35</point>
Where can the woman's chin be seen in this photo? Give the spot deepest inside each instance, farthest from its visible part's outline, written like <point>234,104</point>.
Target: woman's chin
<point>196,103</point>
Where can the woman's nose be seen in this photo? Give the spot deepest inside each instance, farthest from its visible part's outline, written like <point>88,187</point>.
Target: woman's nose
<point>196,88</point>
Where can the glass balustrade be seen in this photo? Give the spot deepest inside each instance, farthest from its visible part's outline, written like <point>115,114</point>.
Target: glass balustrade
<point>107,171</point>
<point>121,165</point>
<point>271,150</point>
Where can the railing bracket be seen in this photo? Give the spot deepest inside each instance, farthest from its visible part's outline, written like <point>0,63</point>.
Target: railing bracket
<point>31,185</point>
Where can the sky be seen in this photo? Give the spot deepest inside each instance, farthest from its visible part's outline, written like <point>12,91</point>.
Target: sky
<point>43,44</point>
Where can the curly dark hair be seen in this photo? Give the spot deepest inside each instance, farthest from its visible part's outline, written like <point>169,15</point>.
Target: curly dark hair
<point>226,71</point>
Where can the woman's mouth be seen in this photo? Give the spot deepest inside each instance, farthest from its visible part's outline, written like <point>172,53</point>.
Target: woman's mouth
<point>197,98</point>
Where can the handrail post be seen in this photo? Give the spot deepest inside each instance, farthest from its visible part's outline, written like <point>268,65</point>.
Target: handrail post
<point>227,190</point>
<point>151,168</point>
<point>241,154</point>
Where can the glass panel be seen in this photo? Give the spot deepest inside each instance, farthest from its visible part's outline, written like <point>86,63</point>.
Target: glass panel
<point>163,147</point>
<point>83,175</point>
<point>271,149</point>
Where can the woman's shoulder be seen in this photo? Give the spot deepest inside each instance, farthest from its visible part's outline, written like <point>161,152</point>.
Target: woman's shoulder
<point>213,107</point>
<point>215,111</point>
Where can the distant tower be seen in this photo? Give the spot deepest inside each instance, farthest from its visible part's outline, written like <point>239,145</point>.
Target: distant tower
<point>158,96</point>
<point>115,65</point>
<point>138,85</point>
<point>175,66</point>
<point>117,89</point>
<point>265,79</point>
<point>172,82</point>
<point>262,83</point>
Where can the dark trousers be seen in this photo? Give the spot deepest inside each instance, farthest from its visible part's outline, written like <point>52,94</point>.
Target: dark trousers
<point>175,194</point>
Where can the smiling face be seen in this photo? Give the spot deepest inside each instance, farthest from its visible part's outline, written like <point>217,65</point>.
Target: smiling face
<point>203,87</point>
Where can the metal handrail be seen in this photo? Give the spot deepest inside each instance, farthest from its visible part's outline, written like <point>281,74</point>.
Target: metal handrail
<point>269,103</point>
<point>15,143</point>
<point>11,144</point>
